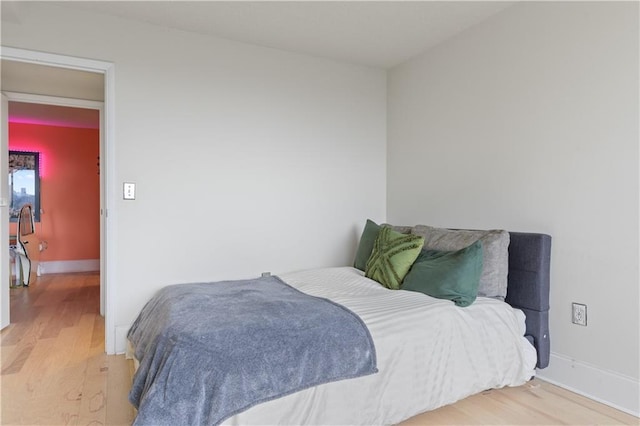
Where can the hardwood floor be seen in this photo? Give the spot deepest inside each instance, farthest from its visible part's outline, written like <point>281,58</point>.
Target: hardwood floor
<point>54,371</point>
<point>535,403</point>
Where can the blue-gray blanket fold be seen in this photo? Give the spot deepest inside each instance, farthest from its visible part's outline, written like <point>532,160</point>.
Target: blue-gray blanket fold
<point>208,351</point>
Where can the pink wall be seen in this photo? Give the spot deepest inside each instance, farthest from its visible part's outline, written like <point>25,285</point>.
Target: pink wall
<point>69,188</point>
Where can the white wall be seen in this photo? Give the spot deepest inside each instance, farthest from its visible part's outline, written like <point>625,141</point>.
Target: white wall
<point>246,159</point>
<point>529,122</point>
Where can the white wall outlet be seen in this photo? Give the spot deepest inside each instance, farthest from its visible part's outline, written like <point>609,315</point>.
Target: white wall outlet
<point>266,274</point>
<point>129,191</point>
<point>579,314</point>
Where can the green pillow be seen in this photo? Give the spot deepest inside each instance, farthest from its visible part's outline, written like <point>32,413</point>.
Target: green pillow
<point>369,235</point>
<point>392,256</point>
<point>452,275</point>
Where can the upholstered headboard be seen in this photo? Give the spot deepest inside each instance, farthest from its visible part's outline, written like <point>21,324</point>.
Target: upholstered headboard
<point>528,288</point>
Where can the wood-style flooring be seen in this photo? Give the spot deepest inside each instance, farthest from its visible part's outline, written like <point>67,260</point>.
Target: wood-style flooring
<point>535,403</point>
<point>54,372</point>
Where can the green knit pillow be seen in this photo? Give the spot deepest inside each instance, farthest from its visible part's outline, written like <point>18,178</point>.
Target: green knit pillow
<point>392,256</point>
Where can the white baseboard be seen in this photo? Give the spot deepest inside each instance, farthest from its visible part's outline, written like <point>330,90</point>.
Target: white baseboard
<point>608,387</point>
<point>121,338</point>
<point>67,266</point>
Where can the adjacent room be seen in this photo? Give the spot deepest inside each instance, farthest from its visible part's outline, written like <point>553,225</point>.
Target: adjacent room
<point>253,140</point>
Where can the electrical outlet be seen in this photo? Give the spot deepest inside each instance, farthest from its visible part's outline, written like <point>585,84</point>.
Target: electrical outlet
<point>579,314</point>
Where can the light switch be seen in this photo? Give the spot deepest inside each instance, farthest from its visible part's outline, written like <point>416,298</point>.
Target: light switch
<point>129,191</point>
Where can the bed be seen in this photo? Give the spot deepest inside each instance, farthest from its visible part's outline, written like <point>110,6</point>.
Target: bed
<point>426,353</point>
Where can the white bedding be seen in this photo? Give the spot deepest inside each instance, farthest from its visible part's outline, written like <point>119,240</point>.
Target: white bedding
<point>430,353</point>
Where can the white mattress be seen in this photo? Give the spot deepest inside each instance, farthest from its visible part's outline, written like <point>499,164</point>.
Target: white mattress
<point>430,353</point>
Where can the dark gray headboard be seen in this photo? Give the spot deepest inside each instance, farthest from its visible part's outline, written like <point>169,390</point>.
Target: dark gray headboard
<point>528,288</point>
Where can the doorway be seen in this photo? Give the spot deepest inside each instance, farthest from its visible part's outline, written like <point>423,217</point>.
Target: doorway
<point>65,189</point>
<point>105,71</point>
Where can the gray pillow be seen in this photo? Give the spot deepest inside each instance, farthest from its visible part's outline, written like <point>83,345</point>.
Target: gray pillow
<point>495,253</point>
<point>399,228</point>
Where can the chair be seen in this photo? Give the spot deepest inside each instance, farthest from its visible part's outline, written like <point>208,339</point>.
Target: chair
<point>27,249</point>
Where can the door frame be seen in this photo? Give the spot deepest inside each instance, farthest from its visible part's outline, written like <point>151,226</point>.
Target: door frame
<point>84,104</point>
<point>4,214</point>
<point>108,172</point>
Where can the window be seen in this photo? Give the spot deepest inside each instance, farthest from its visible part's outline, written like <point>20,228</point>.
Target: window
<point>24,182</point>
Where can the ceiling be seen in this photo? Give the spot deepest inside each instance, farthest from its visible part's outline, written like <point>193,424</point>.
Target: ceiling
<point>372,33</point>
<point>53,115</point>
<point>379,34</point>
<point>22,77</point>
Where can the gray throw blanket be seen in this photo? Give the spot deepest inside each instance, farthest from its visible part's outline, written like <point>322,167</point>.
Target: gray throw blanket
<point>208,351</point>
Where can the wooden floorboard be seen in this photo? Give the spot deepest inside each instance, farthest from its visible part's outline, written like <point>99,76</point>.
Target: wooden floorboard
<point>535,403</point>
<point>54,372</point>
